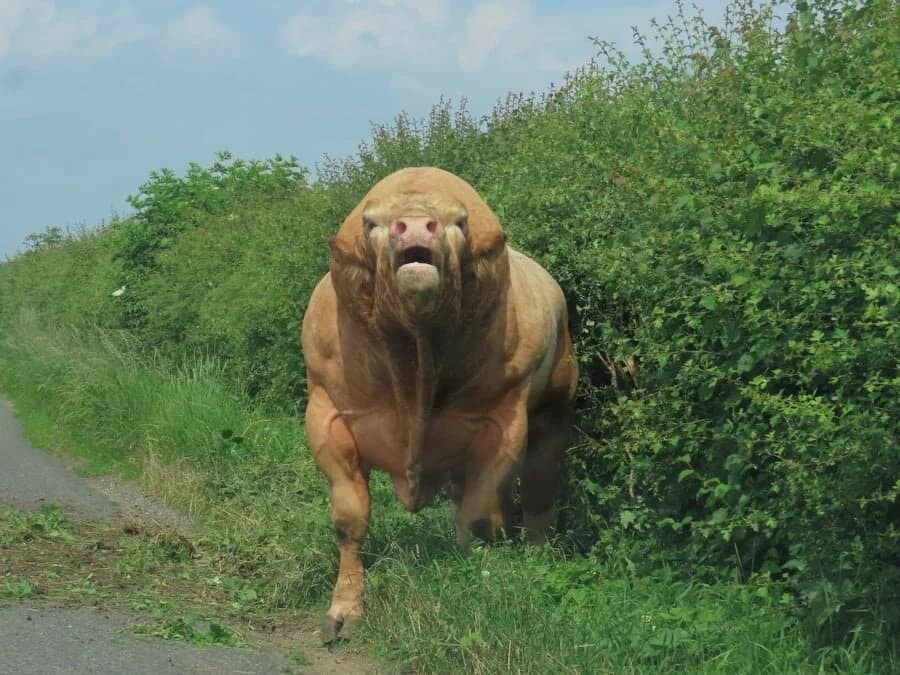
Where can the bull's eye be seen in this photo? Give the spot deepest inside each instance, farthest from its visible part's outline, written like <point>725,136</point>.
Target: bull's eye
<point>463,223</point>
<point>369,225</point>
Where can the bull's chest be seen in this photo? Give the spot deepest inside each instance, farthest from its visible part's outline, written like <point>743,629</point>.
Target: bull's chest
<point>383,440</point>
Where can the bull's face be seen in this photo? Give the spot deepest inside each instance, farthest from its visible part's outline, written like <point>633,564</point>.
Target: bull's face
<point>416,242</point>
<point>422,251</point>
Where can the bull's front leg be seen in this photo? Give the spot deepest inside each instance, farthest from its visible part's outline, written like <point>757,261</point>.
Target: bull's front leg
<point>496,450</point>
<point>334,449</point>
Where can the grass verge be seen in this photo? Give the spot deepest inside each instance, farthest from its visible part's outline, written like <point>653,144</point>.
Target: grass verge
<point>265,546</point>
<point>174,585</point>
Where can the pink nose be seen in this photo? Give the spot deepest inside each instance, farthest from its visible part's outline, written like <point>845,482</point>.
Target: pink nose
<point>418,228</point>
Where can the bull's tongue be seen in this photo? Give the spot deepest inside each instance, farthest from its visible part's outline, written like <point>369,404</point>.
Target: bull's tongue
<point>419,287</point>
<point>419,267</point>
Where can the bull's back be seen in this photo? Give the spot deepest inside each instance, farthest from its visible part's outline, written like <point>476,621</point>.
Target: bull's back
<point>537,283</point>
<point>543,333</point>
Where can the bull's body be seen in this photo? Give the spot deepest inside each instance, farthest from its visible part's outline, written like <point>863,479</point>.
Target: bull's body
<point>439,355</point>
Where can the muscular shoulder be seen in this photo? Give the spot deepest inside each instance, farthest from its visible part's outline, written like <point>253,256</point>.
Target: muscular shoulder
<point>319,333</point>
<point>536,321</point>
<point>536,296</point>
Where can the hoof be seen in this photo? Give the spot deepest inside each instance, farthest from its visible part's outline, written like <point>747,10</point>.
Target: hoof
<point>336,629</point>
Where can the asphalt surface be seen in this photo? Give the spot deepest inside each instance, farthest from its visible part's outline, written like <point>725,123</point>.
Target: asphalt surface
<point>49,640</point>
<point>31,478</point>
<point>87,640</point>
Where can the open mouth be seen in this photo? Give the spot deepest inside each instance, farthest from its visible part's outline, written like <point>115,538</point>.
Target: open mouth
<point>416,254</point>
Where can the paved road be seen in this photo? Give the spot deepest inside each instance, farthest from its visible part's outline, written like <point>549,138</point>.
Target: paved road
<point>87,640</point>
<point>31,478</point>
<point>52,640</point>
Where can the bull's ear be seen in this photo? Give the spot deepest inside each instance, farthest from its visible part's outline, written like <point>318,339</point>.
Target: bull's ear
<point>486,237</point>
<point>351,271</point>
<point>348,246</point>
<point>345,250</point>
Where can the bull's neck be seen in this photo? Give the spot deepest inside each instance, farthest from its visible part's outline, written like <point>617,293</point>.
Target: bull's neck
<point>412,361</point>
<point>426,376</point>
<point>413,371</point>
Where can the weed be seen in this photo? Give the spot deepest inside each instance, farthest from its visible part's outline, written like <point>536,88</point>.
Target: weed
<point>190,630</point>
<point>300,658</point>
<point>16,589</point>
<point>17,527</point>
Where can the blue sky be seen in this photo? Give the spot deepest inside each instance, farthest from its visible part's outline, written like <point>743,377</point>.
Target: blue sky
<point>95,95</point>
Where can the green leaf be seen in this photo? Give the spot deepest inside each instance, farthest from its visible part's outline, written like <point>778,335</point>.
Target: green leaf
<point>685,473</point>
<point>706,389</point>
<point>627,518</point>
<point>709,302</point>
<point>745,363</point>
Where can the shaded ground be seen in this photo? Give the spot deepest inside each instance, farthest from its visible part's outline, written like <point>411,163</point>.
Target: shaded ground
<point>84,585</point>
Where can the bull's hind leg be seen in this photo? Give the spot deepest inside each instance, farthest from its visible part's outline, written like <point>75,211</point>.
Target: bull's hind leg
<point>334,449</point>
<point>490,518</point>
<point>548,435</point>
<point>484,503</point>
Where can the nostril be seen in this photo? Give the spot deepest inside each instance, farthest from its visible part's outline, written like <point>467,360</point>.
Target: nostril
<point>399,227</point>
<point>432,226</point>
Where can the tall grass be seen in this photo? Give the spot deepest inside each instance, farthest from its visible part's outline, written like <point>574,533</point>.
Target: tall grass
<point>119,399</point>
<point>263,517</point>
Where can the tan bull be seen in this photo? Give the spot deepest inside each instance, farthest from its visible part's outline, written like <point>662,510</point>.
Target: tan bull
<point>440,355</point>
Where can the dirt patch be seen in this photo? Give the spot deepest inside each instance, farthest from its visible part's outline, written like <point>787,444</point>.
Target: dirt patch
<point>66,562</point>
<point>137,507</point>
<point>154,577</point>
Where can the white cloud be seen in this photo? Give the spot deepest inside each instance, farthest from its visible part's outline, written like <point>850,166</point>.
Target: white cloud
<point>487,25</point>
<point>531,41</point>
<point>54,34</point>
<point>415,38</point>
<point>199,40</point>
<point>200,27</point>
<point>432,11</point>
<point>373,33</point>
<point>11,12</point>
<point>34,32</point>
<point>38,31</point>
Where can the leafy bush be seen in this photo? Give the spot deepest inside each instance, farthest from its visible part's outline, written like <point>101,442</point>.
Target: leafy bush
<point>237,288</point>
<point>64,282</point>
<point>752,266</point>
<point>166,205</point>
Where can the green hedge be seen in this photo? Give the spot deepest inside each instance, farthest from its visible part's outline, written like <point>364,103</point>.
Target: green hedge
<point>723,217</point>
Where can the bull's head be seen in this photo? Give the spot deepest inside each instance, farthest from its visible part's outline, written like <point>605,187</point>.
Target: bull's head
<point>418,241</point>
<point>415,248</point>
